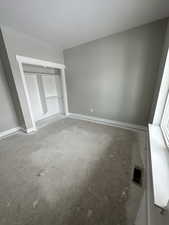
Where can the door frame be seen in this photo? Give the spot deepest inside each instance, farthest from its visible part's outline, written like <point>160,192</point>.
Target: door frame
<point>37,62</point>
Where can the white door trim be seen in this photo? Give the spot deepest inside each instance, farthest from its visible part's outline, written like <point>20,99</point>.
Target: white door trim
<point>38,62</point>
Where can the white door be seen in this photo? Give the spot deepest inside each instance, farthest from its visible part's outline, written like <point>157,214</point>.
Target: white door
<point>52,89</point>
<point>33,89</point>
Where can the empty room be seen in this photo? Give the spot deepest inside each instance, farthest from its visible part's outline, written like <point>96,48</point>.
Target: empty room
<point>84,112</point>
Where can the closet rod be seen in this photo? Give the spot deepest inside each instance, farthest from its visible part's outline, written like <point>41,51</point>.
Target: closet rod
<point>53,74</point>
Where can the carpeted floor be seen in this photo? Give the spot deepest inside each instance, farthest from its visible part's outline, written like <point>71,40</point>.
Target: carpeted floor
<point>71,172</point>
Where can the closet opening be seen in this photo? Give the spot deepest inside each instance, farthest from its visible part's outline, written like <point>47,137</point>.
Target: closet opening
<point>41,88</point>
<point>45,92</point>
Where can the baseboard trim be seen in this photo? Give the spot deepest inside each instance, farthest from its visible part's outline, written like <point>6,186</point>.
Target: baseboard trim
<point>9,132</point>
<point>107,122</point>
<point>80,117</point>
<point>12,131</point>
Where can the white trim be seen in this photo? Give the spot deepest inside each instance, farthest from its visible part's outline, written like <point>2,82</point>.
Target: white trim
<point>30,130</point>
<point>160,166</point>
<point>165,122</point>
<point>6,133</point>
<point>39,62</point>
<point>149,186</point>
<point>108,122</point>
<point>64,89</point>
<point>27,96</point>
<point>162,93</point>
<point>33,61</point>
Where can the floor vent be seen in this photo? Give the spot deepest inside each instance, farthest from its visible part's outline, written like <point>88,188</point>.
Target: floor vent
<point>137,175</point>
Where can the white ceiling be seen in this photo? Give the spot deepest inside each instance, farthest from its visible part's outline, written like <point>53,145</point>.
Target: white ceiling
<point>66,23</point>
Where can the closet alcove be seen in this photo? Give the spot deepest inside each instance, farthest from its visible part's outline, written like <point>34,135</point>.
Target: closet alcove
<point>45,91</point>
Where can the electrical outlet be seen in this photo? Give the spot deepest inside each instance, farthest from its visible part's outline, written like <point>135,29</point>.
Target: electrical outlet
<point>91,110</point>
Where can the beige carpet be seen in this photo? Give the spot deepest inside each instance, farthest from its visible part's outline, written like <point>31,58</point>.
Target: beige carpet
<point>71,173</point>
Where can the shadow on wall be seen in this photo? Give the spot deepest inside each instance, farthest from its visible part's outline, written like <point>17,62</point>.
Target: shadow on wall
<point>136,86</point>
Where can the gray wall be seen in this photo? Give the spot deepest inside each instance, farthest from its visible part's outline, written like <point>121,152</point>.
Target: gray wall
<point>116,75</point>
<point>8,118</point>
<point>17,43</point>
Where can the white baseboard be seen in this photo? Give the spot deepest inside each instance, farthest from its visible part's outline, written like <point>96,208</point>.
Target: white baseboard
<point>81,117</point>
<point>108,122</point>
<point>30,130</point>
<point>6,133</point>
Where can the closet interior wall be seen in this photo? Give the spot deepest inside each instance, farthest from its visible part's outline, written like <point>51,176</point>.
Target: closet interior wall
<point>45,93</point>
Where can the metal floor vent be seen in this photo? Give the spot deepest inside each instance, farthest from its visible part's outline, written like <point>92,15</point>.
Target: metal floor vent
<point>137,175</point>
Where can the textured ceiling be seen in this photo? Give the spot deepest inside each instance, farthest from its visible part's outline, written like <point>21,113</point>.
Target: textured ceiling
<point>66,23</point>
